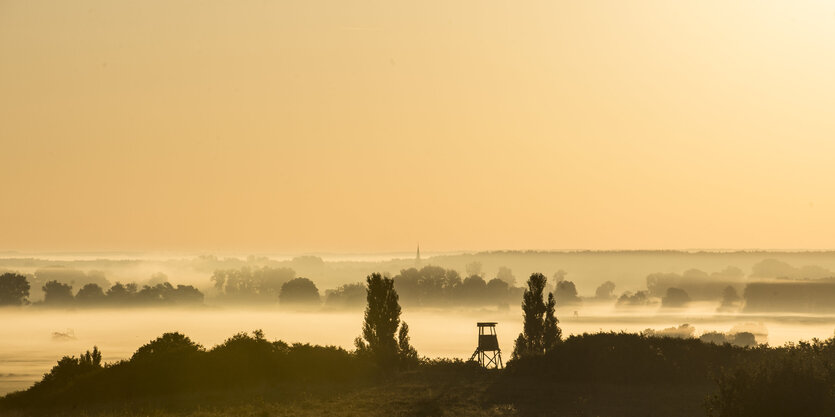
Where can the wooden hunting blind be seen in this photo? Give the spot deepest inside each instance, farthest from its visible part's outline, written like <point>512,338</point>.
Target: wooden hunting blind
<point>488,353</point>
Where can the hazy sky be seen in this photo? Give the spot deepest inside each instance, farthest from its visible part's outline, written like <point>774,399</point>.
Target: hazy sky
<point>371,126</point>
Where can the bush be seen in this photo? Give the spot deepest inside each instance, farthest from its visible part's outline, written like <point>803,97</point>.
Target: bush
<point>791,381</point>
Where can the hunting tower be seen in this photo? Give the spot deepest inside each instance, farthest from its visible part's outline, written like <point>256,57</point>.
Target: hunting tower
<point>488,353</point>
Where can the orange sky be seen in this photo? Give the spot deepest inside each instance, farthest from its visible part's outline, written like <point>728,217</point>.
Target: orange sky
<point>373,125</point>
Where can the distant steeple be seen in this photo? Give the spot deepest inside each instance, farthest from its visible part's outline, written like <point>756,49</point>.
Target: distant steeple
<point>417,258</point>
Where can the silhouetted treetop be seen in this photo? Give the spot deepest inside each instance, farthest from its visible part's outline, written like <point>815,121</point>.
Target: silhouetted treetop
<point>169,344</point>
<point>14,289</point>
<point>56,293</point>
<point>299,291</point>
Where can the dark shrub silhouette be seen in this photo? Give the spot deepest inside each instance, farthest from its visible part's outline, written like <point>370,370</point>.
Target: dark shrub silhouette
<point>299,291</point>
<point>14,289</point>
<point>69,368</point>
<point>661,376</point>
<point>168,345</point>
<point>796,380</point>
<point>172,370</point>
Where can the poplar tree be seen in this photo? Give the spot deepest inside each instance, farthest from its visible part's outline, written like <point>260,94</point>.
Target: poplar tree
<point>539,326</point>
<point>382,319</point>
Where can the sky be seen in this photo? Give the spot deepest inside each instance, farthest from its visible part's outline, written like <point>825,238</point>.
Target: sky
<point>372,126</point>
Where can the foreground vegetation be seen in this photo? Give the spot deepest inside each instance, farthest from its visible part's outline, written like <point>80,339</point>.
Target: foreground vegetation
<point>602,374</point>
<point>606,374</point>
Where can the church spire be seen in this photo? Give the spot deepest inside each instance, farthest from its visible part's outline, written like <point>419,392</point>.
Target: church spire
<point>417,258</point>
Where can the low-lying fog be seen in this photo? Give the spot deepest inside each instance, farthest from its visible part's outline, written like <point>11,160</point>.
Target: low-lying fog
<point>31,341</point>
<point>56,306</point>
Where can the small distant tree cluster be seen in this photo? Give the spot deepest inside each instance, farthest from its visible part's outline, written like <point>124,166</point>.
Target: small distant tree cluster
<point>60,294</point>
<point>630,299</point>
<point>382,319</point>
<point>541,332</point>
<point>250,284</point>
<point>436,286</point>
<point>346,296</point>
<point>64,275</point>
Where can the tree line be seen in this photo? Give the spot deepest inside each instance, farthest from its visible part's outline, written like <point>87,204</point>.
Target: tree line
<point>15,289</point>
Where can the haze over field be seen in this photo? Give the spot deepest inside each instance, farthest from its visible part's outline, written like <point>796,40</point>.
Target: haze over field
<point>441,309</point>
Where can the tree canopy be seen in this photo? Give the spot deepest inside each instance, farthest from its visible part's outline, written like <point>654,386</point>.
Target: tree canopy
<point>14,289</point>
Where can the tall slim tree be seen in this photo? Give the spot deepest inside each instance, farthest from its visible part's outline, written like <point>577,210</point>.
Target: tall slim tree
<point>382,318</point>
<point>539,327</point>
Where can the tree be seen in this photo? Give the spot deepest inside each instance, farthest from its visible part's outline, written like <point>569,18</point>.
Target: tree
<point>730,300</point>
<point>346,296</point>
<point>498,291</point>
<point>551,334</point>
<point>121,294</point>
<point>70,367</point>
<point>299,291</point>
<point>382,318</point>
<point>473,290</point>
<point>57,293</point>
<point>407,353</point>
<point>675,297</point>
<point>474,268</point>
<point>90,294</point>
<point>566,293</point>
<point>605,291</point>
<point>539,328</point>
<point>506,275</point>
<point>168,345</point>
<point>14,289</point>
